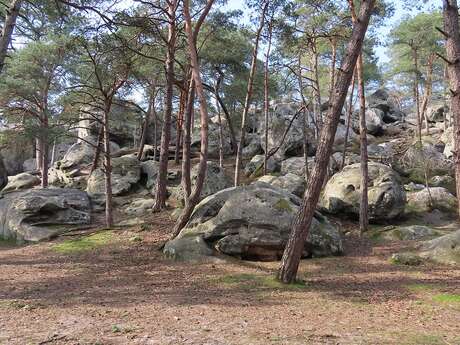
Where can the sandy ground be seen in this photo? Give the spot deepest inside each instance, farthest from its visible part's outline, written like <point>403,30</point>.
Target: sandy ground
<point>125,292</point>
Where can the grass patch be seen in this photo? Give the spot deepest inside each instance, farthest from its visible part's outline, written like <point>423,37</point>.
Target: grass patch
<point>255,281</point>
<point>422,287</point>
<point>447,298</point>
<point>84,244</point>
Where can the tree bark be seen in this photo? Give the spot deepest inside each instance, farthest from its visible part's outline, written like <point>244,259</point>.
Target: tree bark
<point>332,68</point>
<point>8,28</point>
<point>97,150</point>
<point>266,92</point>
<point>428,90</point>
<point>247,102</point>
<point>452,32</point>
<point>160,192</point>
<point>302,222</point>
<point>347,130</point>
<point>192,201</point>
<point>187,142</point>
<point>416,94</point>
<point>364,204</point>
<point>45,150</point>
<point>179,125</point>
<point>145,128</point>
<point>221,136</point>
<point>107,166</point>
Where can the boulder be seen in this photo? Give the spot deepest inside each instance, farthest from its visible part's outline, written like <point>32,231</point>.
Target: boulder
<point>139,207</point>
<point>255,166</point>
<point>253,146</point>
<point>296,165</point>
<point>215,181</point>
<point>290,182</point>
<point>126,173</point>
<point>386,194</point>
<point>437,111</point>
<point>150,169</point>
<point>374,121</point>
<point>15,152</point>
<point>188,248</point>
<point>448,139</point>
<point>410,233</point>
<point>67,178</point>
<point>40,214</point>
<point>213,138</point>
<point>419,159</point>
<point>433,198</point>
<point>21,181</point>
<point>254,222</point>
<point>383,100</point>
<point>29,165</point>
<point>444,249</point>
<point>280,119</point>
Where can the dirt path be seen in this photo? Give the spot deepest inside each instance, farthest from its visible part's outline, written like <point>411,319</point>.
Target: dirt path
<point>125,292</point>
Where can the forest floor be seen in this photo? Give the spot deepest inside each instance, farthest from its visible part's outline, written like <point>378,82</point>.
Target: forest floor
<point>116,288</point>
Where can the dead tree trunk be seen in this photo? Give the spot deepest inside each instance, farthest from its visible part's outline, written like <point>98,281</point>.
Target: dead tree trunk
<point>302,222</point>
<point>160,192</point>
<point>192,201</point>
<point>8,27</point>
<point>452,34</point>
<point>247,102</point>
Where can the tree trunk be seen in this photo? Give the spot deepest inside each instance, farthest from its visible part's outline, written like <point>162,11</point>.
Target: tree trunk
<point>97,151</point>
<point>160,192</point>
<point>428,89</point>
<point>194,198</point>
<point>302,222</point>
<point>107,167</point>
<point>266,93</point>
<point>145,128</point>
<point>416,95</point>
<point>8,28</point>
<point>316,88</point>
<point>364,204</point>
<point>221,136</point>
<point>347,130</point>
<point>186,149</point>
<point>179,125</point>
<point>247,101</point>
<point>332,68</point>
<point>45,149</point>
<point>452,32</point>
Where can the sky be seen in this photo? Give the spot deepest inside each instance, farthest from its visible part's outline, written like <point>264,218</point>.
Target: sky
<point>399,13</point>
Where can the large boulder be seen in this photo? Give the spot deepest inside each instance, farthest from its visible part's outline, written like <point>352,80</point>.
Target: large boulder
<point>40,214</point>
<point>254,222</point>
<point>383,100</point>
<point>437,111</point>
<point>448,139</point>
<point>150,169</point>
<point>291,183</point>
<point>419,159</point>
<point>126,173</point>
<point>426,200</point>
<point>215,181</point>
<point>374,121</point>
<point>410,233</point>
<point>21,181</point>
<point>342,193</point>
<point>281,117</point>
<point>253,146</point>
<point>444,249</point>
<point>255,166</point>
<point>213,138</point>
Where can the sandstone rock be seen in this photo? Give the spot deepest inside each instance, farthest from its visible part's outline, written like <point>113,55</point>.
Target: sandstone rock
<point>40,214</point>
<point>290,182</point>
<point>255,166</point>
<point>437,111</point>
<point>432,198</point>
<point>386,194</point>
<point>139,207</point>
<point>383,100</point>
<point>254,222</point>
<point>374,121</point>
<point>21,181</point>
<point>126,173</point>
<point>150,168</point>
<point>444,249</point>
<point>410,233</point>
<point>215,181</point>
<point>3,174</point>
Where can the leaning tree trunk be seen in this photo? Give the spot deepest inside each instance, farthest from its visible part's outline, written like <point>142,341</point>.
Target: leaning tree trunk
<point>452,34</point>
<point>302,222</point>
<point>160,192</point>
<point>8,28</point>
<point>247,102</point>
<point>187,142</point>
<point>193,199</point>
